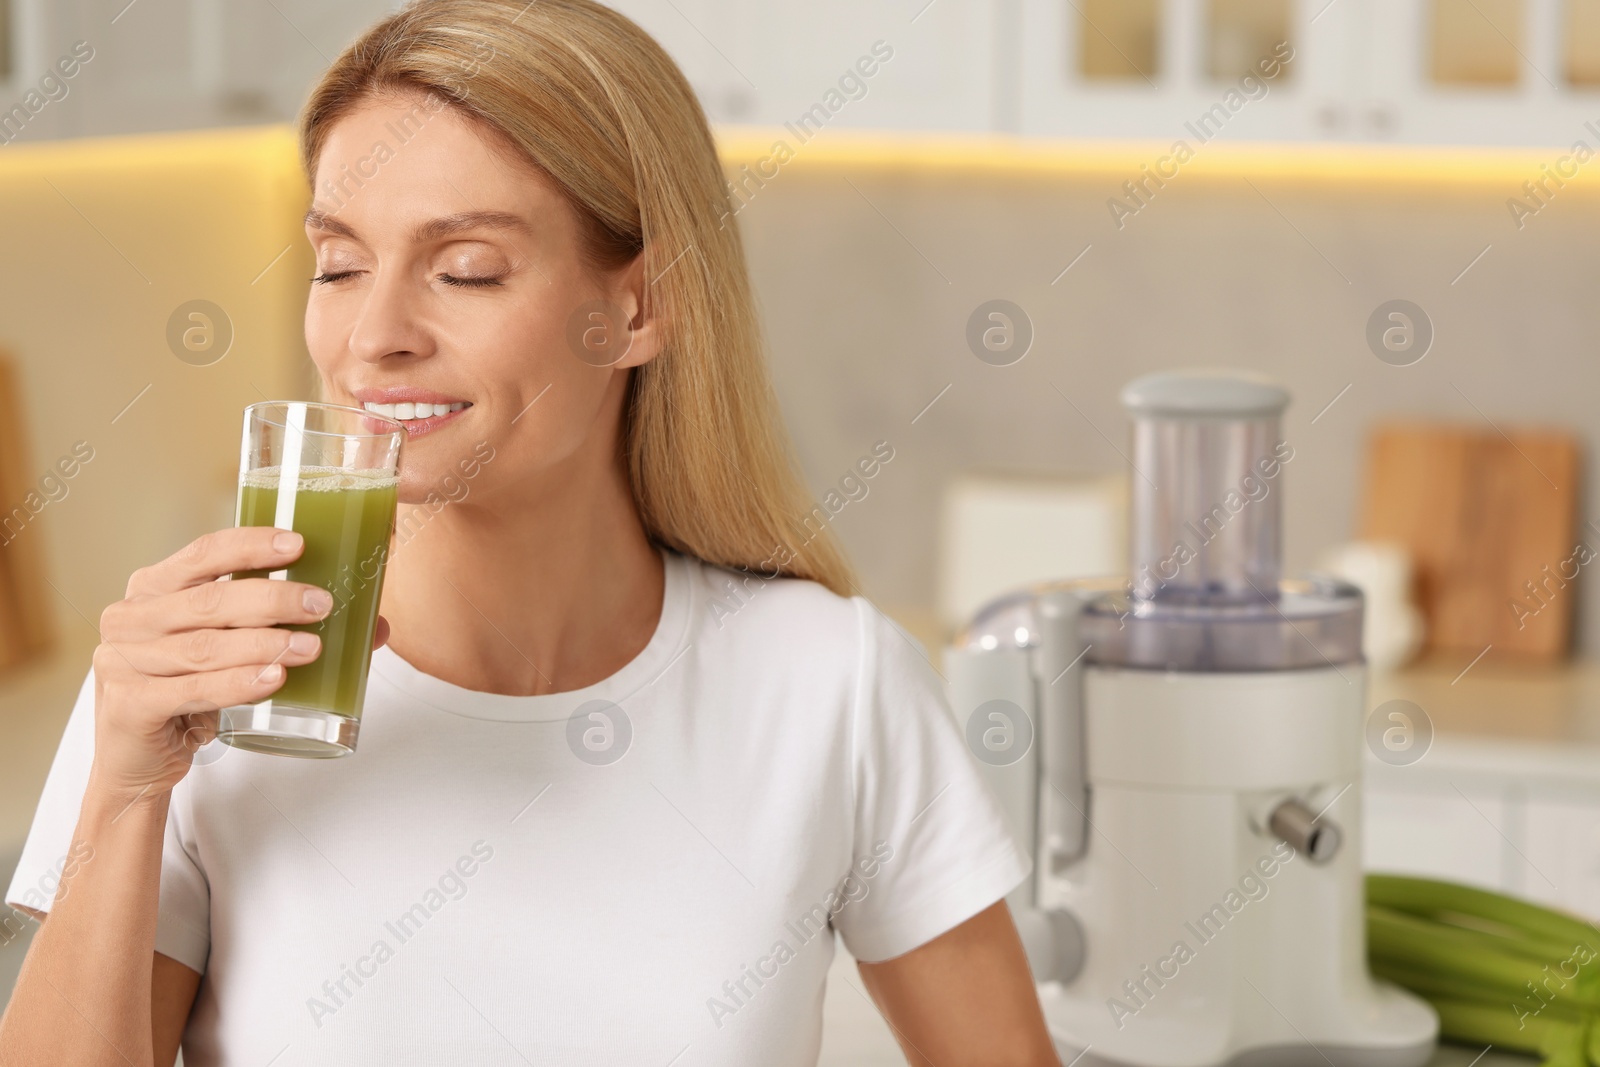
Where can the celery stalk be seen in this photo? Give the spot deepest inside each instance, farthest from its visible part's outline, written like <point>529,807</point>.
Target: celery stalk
<point>1447,985</point>
<point>1487,1025</point>
<point>1472,956</point>
<point>1498,970</point>
<point>1430,898</point>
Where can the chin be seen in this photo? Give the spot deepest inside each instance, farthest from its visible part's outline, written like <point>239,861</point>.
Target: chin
<point>435,475</point>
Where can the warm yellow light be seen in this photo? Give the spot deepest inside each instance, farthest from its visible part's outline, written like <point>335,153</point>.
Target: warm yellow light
<point>1033,157</point>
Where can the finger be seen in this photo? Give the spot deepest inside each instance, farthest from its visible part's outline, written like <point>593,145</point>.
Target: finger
<point>380,635</point>
<point>164,699</point>
<point>217,605</point>
<point>215,650</point>
<point>210,556</point>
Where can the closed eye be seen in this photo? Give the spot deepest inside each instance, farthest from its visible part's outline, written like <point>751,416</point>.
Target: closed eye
<point>449,279</point>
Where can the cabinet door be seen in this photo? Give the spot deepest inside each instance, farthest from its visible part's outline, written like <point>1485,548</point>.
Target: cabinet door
<point>1169,70</point>
<point>950,57</point>
<point>1476,71</point>
<point>716,44</point>
<point>1563,854</point>
<point>885,64</point>
<point>1464,837</point>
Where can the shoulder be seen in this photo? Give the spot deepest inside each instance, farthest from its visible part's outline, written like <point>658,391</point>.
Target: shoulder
<point>798,618</point>
<point>744,604</point>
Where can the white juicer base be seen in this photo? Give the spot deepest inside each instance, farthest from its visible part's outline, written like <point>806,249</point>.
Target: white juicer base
<point>1183,770</point>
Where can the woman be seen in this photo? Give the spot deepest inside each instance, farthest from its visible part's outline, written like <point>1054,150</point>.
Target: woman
<point>632,752</point>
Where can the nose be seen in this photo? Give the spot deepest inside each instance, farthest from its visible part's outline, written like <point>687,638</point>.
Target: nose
<point>387,324</point>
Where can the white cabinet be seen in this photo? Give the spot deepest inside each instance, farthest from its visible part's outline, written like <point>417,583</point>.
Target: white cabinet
<point>715,44</point>
<point>1540,107</point>
<point>1362,69</point>
<point>1563,853</point>
<point>1440,835</point>
<point>1519,818</point>
<point>880,64</point>
<point>1180,99</point>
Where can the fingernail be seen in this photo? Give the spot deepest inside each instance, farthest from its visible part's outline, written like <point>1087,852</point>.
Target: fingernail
<point>302,643</point>
<point>271,674</point>
<point>318,601</point>
<point>287,541</point>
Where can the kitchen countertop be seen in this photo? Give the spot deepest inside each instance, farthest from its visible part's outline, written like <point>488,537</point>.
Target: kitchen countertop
<point>1492,696</point>
<point>1551,704</point>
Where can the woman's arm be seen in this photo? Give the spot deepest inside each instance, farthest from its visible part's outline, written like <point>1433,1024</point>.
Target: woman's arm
<point>93,990</point>
<point>172,990</point>
<point>966,997</point>
<point>181,644</point>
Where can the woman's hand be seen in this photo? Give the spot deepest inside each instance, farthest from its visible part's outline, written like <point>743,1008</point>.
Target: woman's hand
<point>182,645</point>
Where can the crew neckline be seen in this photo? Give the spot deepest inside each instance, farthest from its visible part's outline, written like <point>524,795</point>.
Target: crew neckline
<point>659,652</point>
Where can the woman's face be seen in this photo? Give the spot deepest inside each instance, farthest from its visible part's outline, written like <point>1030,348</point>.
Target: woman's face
<point>449,275</point>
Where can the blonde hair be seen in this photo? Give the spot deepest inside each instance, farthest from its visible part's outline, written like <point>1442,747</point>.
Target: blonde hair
<point>596,104</point>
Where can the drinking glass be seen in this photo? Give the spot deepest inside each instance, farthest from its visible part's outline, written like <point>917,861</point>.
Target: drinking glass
<point>331,474</point>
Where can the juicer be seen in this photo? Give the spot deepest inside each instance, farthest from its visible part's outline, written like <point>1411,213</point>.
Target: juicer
<point>1181,750</point>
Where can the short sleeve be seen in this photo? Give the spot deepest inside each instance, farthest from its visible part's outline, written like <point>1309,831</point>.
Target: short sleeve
<point>182,930</point>
<point>932,847</point>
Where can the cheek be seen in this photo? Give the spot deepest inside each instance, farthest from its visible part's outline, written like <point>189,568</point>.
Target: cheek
<point>575,418</point>
<point>321,333</point>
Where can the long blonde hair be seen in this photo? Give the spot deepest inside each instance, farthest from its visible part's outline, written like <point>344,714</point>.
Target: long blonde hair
<point>596,104</point>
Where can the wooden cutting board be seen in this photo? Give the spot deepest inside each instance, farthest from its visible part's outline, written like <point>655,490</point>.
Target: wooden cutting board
<point>25,623</point>
<point>1491,521</point>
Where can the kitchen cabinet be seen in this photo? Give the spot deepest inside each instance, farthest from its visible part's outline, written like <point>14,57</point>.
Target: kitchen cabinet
<point>1508,794</point>
<point>1363,70</point>
<point>932,65</point>
<point>1439,833</point>
<point>1563,853</point>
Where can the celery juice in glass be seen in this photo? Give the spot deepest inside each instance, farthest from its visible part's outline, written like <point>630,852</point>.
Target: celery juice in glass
<point>331,475</point>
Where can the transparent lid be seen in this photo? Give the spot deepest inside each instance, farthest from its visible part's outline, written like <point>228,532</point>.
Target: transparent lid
<point>1309,622</point>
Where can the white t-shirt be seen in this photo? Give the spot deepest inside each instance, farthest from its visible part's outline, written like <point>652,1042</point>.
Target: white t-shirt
<point>640,872</point>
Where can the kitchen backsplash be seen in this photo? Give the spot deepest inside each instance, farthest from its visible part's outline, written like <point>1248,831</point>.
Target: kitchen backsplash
<point>868,278</point>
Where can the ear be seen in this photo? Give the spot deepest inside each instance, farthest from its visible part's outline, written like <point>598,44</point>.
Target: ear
<point>629,287</point>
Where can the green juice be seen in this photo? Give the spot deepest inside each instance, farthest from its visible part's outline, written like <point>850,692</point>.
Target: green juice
<point>346,518</point>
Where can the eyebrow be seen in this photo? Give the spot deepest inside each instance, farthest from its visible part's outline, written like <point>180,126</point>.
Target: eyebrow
<point>433,229</point>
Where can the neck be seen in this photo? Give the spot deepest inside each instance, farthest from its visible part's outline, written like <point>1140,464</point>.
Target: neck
<point>541,586</point>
